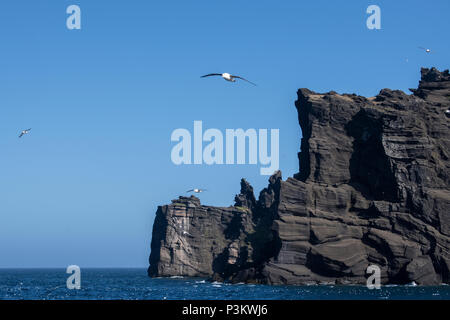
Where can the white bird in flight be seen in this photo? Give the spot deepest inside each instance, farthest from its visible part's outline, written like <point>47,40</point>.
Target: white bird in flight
<point>24,132</point>
<point>227,76</point>
<point>196,190</point>
<point>426,49</point>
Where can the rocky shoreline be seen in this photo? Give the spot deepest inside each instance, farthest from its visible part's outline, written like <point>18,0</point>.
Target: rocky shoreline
<point>373,188</point>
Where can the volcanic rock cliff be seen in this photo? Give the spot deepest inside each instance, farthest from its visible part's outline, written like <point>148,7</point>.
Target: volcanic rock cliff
<point>373,189</point>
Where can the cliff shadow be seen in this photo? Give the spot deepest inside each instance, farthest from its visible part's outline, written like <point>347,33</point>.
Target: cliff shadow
<point>158,235</point>
<point>370,169</point>
<point>224,269</point>
<point>234,228</point>
<point>303,109</point>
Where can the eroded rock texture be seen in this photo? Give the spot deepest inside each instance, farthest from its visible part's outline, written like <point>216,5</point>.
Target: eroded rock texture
<point>373,188</point>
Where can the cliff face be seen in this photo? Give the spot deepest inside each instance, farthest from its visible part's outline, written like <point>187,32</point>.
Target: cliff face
<point>373,188</point>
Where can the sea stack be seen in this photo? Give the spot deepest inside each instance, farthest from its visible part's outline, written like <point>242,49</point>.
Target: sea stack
<point>373,188</point>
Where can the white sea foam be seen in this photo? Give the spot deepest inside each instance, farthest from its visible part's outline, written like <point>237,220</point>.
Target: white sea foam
<point>412,284</point>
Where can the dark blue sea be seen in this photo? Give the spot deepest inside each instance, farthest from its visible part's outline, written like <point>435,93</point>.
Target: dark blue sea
<point>133,284</point>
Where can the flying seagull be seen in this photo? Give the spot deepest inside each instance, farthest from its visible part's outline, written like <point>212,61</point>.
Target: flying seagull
<point>426,49</point>
<point>227,77</point>
<point>196,190</point>
<point>24,132</point>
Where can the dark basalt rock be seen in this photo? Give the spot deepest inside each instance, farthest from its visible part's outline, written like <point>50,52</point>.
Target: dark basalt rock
<point>373,188</point>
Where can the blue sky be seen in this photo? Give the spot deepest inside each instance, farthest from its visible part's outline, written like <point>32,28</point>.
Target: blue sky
<point>83,187</point>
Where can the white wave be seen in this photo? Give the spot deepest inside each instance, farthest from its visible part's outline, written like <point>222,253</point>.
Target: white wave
<point>412,284</point>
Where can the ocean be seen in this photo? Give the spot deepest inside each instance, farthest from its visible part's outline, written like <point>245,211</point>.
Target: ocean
<point>134,284</point>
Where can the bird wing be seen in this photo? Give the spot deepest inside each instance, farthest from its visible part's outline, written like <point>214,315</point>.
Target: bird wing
<point>28,129</point>
<point>426,49</point>
<point>21,134</point>
<point>244,80</point>
<point>190,190</point>
<point>211,74</point>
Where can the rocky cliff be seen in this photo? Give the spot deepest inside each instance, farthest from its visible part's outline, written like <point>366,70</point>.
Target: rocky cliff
<point>373,188</point>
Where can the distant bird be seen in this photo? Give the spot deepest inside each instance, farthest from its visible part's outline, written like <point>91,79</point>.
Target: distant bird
<point>447,112</point>
<point>227,77</point>
<point>185,232</point>
<point>196,190</point>
<point>426,49</point>
<point>24,132</point>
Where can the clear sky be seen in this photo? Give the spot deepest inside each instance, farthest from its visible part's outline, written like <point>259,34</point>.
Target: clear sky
<point>82,188</point>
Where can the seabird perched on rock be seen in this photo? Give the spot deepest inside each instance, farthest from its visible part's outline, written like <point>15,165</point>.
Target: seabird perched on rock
<point>426,49</point>
<point>196,190</point>
<point>227,76</point>
<point>24,132</point>
<point>447,112</point>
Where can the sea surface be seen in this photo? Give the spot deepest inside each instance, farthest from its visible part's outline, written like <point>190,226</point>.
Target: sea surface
<point>134,284</point>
